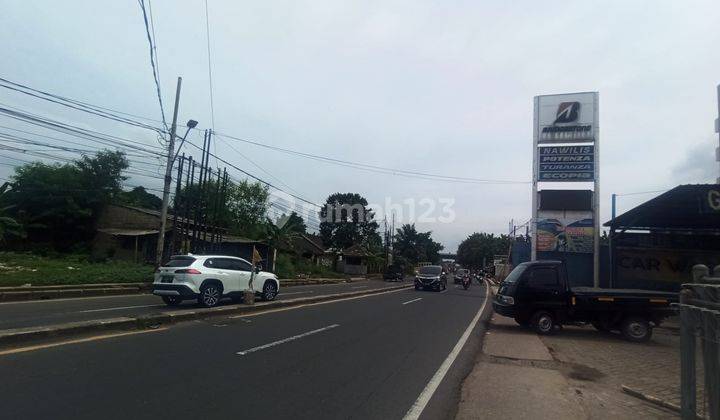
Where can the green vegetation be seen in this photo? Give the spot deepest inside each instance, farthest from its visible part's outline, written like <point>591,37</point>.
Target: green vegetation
<point>58,204</point>
<point>480,248</point>
<point>17,269</point>
<point>412,247</point>
<point>290,266</point>
<point>346,221</point>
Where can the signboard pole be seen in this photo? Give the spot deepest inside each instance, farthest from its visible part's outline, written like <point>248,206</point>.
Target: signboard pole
<point>596,198</point>
<point>533,221</point>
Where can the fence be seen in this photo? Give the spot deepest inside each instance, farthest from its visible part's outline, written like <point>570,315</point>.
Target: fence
<point>700,322</point>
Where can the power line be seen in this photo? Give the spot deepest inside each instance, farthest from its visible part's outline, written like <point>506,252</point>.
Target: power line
<point>376,168</point>
<point>128,152</point>
<point>75,130</point>
<point>260,167</point>
<point>253,176</point>
<point>70,103</point>
<point>642,192</point>
<point>153,58</point>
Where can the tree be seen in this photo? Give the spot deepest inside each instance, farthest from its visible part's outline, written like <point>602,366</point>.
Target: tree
<point>139,197</point>
<point>298,221</point>
<point>247,204</point>
<point>281,235</point>
<point>8,225</point>
<point>241,210</point>
<point>480,248</point>
<point>346,220</point>
<point>60,203</point>
<point>412,247</point>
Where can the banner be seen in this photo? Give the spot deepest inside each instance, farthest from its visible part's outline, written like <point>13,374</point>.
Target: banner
<point>566,163</point>
<point>565,231</point>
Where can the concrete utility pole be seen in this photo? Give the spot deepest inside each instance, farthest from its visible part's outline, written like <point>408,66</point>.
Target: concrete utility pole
<point>168,178</point>
<point>717,130</point>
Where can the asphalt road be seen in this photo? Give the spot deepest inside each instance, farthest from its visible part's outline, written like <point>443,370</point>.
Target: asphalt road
<point>49,312</point>
<point>369,357</point>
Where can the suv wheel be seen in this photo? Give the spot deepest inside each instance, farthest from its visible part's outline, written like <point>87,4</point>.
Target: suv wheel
<point>636,329</point>
<point>172,300</point>
<point>543,322</point>
<point>210,295</point>
<point>269,291</point>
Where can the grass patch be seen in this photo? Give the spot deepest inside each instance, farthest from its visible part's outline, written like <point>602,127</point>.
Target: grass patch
<point>291,267</point>
<point>17,269</point>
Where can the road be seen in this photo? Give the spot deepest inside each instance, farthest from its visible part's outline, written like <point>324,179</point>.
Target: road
<point>49,312</point>
<point>370,357</point>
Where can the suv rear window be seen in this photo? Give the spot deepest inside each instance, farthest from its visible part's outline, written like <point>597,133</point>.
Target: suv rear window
<point>179,262</point>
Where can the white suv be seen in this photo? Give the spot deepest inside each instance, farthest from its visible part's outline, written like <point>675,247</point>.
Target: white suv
<point>209,278</point>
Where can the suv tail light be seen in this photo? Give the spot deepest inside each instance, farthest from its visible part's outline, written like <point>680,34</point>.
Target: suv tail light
<point>187,271</point>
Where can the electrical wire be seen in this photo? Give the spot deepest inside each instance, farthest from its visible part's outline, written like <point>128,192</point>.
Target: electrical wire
<point>56,99</point>
<point>375,168</point>
<point>153,58</point>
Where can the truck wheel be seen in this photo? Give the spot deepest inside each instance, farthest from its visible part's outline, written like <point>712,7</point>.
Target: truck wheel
<point>172,300</point>
<point>543,322</point>
<point>636,329</point>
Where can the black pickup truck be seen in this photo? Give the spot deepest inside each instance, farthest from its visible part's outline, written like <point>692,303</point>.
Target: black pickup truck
<point>538,294</point>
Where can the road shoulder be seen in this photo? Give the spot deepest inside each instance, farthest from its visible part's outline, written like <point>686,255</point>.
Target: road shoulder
<point>514,378</point>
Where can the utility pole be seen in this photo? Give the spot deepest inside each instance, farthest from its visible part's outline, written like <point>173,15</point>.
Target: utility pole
<point>168,178</point>
<point>717,130</point>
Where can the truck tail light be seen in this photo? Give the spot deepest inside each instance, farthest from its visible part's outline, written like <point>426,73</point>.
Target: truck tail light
<point>187,271</point>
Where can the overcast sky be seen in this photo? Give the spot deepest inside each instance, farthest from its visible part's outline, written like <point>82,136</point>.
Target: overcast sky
<point>433,86</point>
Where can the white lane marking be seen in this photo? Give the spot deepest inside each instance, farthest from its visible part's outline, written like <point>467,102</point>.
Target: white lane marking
<point>411,301</point>
<point>292,308</point>
<point>296,293</point>
<point>285,340</point>
<point>357,287</point>
<point>119,308</point>
<point>427,393</point>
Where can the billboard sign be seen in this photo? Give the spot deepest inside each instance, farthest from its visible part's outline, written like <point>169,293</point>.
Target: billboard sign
<point>566,118</point>
<point>565,231</point>
<point>566,163</point>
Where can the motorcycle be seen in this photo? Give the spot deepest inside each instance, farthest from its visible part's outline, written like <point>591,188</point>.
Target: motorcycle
<point>466,282</point>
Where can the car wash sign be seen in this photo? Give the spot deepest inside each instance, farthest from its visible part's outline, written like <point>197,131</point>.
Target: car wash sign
<point>567,118</point>
<point>566,163</point>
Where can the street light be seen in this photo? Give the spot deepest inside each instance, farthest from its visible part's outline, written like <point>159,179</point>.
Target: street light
<point>190,125</point>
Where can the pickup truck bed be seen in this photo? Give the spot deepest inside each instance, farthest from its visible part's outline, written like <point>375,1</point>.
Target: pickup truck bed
<point>623,293</point>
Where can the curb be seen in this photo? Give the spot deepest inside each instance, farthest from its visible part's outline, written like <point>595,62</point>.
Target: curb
<point>20,295</point>
<point>23,335</point>
<point>17,294</point>
<point>649,398</point>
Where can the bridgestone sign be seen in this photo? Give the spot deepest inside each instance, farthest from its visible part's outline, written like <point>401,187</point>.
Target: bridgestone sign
<point>566,149</point>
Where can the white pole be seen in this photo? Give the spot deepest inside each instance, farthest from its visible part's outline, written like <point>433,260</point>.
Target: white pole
<point>533,221</point>
<point>596,195</point>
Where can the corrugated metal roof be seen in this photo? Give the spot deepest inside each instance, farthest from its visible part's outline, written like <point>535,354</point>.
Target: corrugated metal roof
<point>129,232</point>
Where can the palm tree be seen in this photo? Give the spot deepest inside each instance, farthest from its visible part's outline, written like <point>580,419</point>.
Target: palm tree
<point>282,234</point>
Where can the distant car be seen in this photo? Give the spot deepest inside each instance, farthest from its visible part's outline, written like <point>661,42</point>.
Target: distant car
<point>431,277</point>
<point>460,273</point>
<point>210,278</point>
<point>394,273</point>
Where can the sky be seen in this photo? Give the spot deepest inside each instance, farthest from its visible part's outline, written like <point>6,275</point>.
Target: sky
<point>443,87</point>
